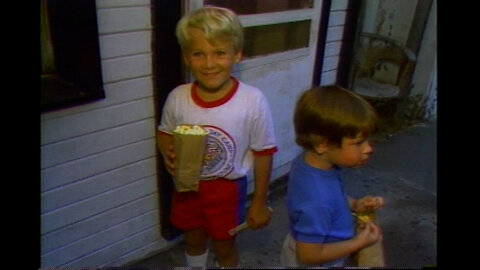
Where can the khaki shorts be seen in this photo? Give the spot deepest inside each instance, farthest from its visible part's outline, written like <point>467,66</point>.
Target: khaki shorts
<point>288,256</point>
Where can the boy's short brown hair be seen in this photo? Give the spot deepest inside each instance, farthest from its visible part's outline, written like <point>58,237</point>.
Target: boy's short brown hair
<point>215,22</point>
<point>330,113</point>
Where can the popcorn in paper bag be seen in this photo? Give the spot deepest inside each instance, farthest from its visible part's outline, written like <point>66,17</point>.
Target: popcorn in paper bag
<point>189,142</point>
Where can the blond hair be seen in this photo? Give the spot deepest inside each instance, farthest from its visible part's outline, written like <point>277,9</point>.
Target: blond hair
<point>215,23</point>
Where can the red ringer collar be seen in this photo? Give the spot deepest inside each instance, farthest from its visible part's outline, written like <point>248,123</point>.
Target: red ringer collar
<point>216,103</point>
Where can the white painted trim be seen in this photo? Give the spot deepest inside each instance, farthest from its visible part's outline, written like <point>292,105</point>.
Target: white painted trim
<point>121,3</point>
<point>339,5</point>
<point>276,17</point>
<point>271,58</point>
<point>191,5</point>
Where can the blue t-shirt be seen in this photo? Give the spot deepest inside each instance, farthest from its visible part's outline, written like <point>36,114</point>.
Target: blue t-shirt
<point>317,205</point>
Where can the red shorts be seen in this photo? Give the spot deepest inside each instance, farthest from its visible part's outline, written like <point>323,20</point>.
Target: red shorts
<point>218,206</point>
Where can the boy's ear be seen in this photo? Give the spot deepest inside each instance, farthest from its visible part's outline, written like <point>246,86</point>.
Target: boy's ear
<point>321,148</point>
<point>238,57</point>
<point>185,60</point>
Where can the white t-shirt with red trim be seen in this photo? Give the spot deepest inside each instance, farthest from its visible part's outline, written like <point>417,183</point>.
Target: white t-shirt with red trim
<point>240,125</point>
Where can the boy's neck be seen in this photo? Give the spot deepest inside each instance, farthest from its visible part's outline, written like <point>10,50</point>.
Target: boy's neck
<point>317,161</point>
<point>210,95</point>
<point>202,99</point>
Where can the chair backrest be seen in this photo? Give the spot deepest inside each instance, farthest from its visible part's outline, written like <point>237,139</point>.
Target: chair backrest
<point>377,52</point>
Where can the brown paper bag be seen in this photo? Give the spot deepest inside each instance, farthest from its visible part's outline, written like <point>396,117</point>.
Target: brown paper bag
<point>189,152</point>
<point>371,256</point>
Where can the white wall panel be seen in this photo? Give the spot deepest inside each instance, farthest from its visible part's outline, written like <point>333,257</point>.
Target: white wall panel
<point>128,67</point>
<point>71,149</point>
<point>99,197</point>
<point>117,45</point>
<point>129,243</point>
<point>143,252</point>
<point>330,63</point>
<point>100,240</point>
<point>97,184</point>
<point>123,19</point>
<point>115,93</point>
<point>97,204</point>
<point>334,33</point>
<point>339,5</point>
<point>337,18</point>
<point>86,167</point>
<point>332,48</point>
<point>97,223</point>
<point>87,122</point>
<point>329,77</point>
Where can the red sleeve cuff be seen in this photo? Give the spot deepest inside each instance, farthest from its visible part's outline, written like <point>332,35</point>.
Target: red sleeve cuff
<point>265,152</point>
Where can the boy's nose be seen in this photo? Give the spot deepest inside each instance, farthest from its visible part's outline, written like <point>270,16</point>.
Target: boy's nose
<point>368,148</point>
<point>209,61</point>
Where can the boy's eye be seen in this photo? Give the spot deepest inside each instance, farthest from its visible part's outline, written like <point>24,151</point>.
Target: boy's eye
<point>197,54</point>
<point>359,141</point>
<point>220,53</point>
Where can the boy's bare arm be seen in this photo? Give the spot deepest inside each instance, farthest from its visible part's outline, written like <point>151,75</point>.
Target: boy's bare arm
<point>258,214</point>
<point>165,146</point>
<point>367,203</point>
<point>317,253</point>
<point>351,202</point>
<point>313,253</point>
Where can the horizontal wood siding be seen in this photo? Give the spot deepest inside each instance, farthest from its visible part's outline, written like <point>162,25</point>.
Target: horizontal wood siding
<point>99,197</point>
<point>333,41</point>
<point>76,232</point>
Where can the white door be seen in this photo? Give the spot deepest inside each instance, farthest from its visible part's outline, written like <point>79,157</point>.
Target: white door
<point>280,71</point>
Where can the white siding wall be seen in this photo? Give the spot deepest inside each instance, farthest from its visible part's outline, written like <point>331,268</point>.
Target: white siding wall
<point>99,199</point>
<point>333,41</point>
<point>424,80</point>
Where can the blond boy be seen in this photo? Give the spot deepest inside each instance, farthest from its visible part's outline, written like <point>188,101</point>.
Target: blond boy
<point>241,135</point>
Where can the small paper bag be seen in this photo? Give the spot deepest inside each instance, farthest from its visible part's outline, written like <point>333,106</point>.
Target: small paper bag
<point>189,152</point>
<point>371,256</point>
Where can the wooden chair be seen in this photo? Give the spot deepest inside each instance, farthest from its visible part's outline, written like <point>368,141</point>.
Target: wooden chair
<point>382,68</point>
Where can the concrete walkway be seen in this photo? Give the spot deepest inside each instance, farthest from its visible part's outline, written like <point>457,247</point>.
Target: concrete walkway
<point>402,170</point>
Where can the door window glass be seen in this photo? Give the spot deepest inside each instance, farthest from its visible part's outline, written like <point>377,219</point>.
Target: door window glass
<point>260,6</point>
<point>267,39</point>
<point>287,29</point>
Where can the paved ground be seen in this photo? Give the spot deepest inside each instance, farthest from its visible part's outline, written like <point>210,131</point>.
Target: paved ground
<point>402,170</point>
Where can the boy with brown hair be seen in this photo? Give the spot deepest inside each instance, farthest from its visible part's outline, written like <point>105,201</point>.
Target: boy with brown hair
<point>332,125</point>
<point>239,122</point>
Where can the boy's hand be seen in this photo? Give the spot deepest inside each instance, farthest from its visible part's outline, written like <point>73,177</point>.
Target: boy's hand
<point>165,147</point>
<point>169,159</point>
<point>258,216</point>
<point>368,204</point>
<point>369,234</point>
